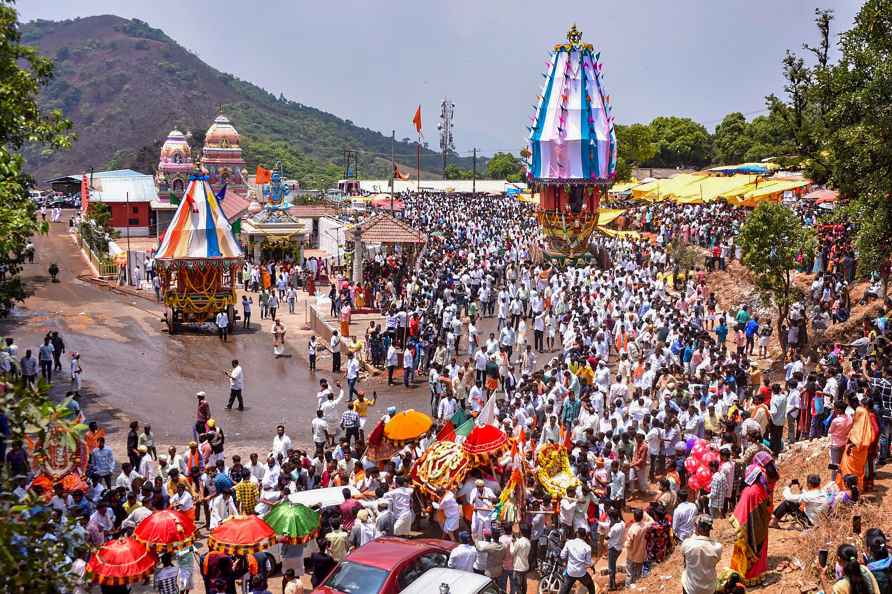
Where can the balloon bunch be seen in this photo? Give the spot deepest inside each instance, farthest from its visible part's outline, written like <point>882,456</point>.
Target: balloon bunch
<point>700,454</point>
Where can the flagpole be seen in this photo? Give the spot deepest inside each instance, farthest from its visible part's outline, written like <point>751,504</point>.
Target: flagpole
<point>418,165</point>
<point>392,167</point>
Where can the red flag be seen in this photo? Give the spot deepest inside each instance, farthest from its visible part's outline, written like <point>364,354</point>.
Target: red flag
<point>417,119</point>
<point>447,433</point>
<point>263,175</point>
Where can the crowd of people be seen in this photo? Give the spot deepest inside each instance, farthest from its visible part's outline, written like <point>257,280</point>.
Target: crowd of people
<point>649,383</point>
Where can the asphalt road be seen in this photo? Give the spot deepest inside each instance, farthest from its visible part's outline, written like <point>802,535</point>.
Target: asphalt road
<point>134,370</point>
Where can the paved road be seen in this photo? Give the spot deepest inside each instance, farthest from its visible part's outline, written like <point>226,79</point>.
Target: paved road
<point>135,370</point>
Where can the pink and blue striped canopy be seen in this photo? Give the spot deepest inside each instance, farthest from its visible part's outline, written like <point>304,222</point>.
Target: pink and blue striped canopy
<point>572,136</point>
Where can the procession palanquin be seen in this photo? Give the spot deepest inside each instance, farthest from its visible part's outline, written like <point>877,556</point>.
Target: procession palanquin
<point>199,259</point>
<point>61,456</point>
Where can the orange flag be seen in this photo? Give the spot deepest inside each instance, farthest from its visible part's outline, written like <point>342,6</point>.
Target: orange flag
<point>417,119</point>
<point>397,174</point>
<point>263,175</point>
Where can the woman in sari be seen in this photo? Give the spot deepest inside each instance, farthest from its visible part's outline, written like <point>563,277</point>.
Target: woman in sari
<point>750,521</point>
<point>861,437</point>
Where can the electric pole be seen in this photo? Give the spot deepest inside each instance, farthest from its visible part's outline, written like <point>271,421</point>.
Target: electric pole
<point>474,182</point>
<point>447,141</point>
<point>392,167</point>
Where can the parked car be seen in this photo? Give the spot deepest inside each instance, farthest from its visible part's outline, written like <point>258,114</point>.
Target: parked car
<point>443,580</point>
<point>386,565</point>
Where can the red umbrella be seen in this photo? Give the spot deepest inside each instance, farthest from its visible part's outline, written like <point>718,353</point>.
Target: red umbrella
<point>121,561</point>
<point>165,530</point>
<point>486,439</point>
<point>241,535</point>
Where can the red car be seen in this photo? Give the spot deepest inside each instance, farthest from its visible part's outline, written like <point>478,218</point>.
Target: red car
<point>385,566</point>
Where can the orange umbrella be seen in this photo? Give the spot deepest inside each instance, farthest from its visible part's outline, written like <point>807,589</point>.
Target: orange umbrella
<point>121,561</point>
<point>407,425</point>
<point>241,535</point>
<point>165,530</point>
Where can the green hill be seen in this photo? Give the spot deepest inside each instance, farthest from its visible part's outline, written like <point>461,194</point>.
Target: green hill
<point>125,85</point>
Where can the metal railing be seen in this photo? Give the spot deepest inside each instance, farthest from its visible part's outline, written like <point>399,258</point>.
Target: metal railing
<point>104,265</point>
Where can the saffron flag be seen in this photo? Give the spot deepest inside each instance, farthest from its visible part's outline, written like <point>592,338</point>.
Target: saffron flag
<point>417,120</point>
<point>263,175</point>
<point>397,174</point>
<point>85,194</point>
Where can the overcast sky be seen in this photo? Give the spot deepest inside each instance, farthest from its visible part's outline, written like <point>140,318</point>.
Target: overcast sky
<point>374,62</point>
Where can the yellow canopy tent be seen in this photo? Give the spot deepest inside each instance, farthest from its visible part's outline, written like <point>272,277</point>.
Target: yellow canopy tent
<point>608,215</point>
<point>712,188</point>
<point>623,187</point>
<point>767,191</point>
<point>666,189</point>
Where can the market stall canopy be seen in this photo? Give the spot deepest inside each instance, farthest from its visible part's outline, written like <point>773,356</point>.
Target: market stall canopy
<point>748,168</point>
<point>822,196</point>
<point>407,425</point>
<point>703,188</point>
<point>121,561</point>
<point>199,228</point>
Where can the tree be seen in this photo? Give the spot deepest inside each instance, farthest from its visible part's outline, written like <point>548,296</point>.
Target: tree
<point>771,240</point>
<point>34,547</point>
<point>731,141</point>
<point>22,73</point>
<point>856,140</point>
<point>636,143</point>
<point>623,170</point>
<point>455,172</point>
<point>681,142</point>
<point>504,166</point>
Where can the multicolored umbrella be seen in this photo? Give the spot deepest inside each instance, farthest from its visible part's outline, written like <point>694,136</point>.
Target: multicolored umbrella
<point>241,535</point>
<point>121,561</point>
<point>407,425</point>
<point>485,439</point>
<point>296,522</point>
<point>165,530</point>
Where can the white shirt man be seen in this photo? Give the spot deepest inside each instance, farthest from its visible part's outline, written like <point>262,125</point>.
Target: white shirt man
<point>222,320</point>
<point>578,555</point>
<point>401,503</point>
<point>352,368</point>
<point>281,445</point>
<point>701,555</point>
<point>182,501</point>
<point>147,467</point>
<point>447,407</point>
<point>462,557</point>
<point>482,499</point>
<point>126,480</point>
<point>237,378</point>
<point>683,520</point>
<point>222,506</point>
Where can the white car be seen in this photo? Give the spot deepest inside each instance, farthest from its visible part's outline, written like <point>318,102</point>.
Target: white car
<point>442,580</point>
